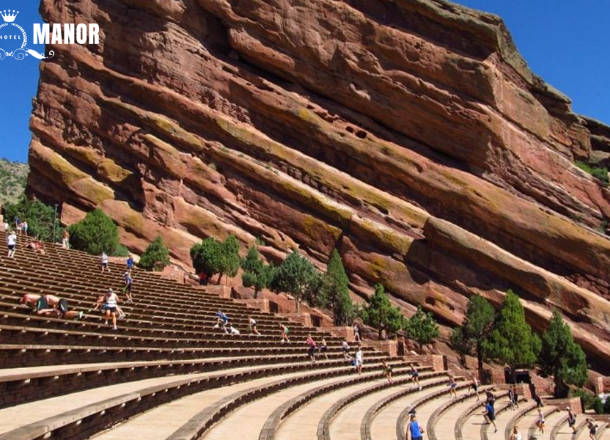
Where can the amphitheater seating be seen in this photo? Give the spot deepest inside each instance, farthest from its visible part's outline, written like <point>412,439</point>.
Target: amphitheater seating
<point>167,373</point>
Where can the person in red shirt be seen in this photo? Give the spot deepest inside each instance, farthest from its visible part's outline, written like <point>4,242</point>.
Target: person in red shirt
<point>312,348</point>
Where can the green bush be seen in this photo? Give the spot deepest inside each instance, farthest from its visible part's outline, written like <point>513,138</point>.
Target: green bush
<point>94,234</point>
<point>121,251</point>
<point>588,398</point>
<point>40,217</point>
<point>597,172</point>
<point>156,256</point>
<point>598,406</point>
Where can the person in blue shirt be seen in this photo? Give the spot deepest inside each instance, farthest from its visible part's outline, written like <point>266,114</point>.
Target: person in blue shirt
<point>414,430</point>
<point>129,264</point>
<point>223,320</point>
<point>490,415</point>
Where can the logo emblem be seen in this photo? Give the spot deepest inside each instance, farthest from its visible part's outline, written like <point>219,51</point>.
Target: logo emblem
<point>21,52</point>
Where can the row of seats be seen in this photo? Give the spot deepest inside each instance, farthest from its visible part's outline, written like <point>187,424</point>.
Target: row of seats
<point>169,374</point>
<point>73,379</point>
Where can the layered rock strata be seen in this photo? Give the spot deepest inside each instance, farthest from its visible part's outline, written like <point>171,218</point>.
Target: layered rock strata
<point>409,134</point>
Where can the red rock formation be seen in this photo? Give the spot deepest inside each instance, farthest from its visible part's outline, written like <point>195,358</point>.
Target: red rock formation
<point>409,134</point>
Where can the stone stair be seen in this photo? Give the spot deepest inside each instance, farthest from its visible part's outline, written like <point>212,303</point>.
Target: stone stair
<point>167,373</point>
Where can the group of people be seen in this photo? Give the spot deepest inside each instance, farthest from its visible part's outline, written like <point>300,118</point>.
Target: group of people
<point>107,304</point>
<point>313,346</point>
<point>21,226</point>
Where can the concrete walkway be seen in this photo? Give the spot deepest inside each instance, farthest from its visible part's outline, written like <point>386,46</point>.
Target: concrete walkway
<point>384,424</point>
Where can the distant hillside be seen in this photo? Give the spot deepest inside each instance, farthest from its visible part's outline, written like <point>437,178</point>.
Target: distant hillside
<point>13,176</point>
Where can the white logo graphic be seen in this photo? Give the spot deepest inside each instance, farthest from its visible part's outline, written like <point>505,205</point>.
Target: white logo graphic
<point>21,52</point>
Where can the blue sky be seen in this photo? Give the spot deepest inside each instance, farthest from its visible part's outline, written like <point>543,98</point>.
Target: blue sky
<point>564,41</point>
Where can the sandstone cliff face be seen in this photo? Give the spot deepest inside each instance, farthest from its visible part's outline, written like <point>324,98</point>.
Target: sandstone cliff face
<point>410,134</point>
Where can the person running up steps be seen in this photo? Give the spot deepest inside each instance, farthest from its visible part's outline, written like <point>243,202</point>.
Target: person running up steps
<point>571,419</point>
<point>323,348</point>
<point>540,421</point>
<point>452,387</point>
<point>356,329</point>
<point>511,397</point>
<point>359,358</point>
<point>11,241</point>
<point>284,332</point>
<point>311,351</point>
<point>475,385</point>
<point>387,371</point>
<point>414,430</point>
<point>221,320</point>
<point>516,435</point>
<point>490,398</point>
<point>415,377</point>
<point>128,286</point>
<point>24,227</point>
<point>252,324</point>
<point>538,400</point>
<point>102,306</point>
<point>345,350</point>
<point>104,259</point>
<point>129,264</point>
<point>490,415</point>
<point>592,427</point>
<point>112,304</point>
<point>65,240</point>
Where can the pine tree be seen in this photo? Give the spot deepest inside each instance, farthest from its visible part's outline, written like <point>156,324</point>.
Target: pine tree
<point>477,326</point>
<point>94,234</point>
<point>257,274</point>
<point>213,257</point>
<point>298,277</point>
<point>512,341</point>
<point>230,261</point>
<point>561,357</point>
<point>380,313</point>
<point>206,256</point>
<point>334,291</point>
<point>422,328</point>
<point>156,255</point>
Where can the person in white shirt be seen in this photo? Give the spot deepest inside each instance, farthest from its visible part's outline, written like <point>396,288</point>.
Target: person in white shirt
<point>229,329</point>
<point>104,258</point>
<point>345,349</point>
<point>359,360</point>
<point>111,301</point>
<point>11,241</point>
<point>516,435</point>
<point>253,324</point>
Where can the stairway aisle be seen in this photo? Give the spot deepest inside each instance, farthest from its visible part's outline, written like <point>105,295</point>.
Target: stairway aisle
<point>247,422</point>
<point>304,423</point>
<point>444,428</point>
<point>384,424</point>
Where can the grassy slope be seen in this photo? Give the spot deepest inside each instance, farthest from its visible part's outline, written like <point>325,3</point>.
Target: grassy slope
<point>13,176</point>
